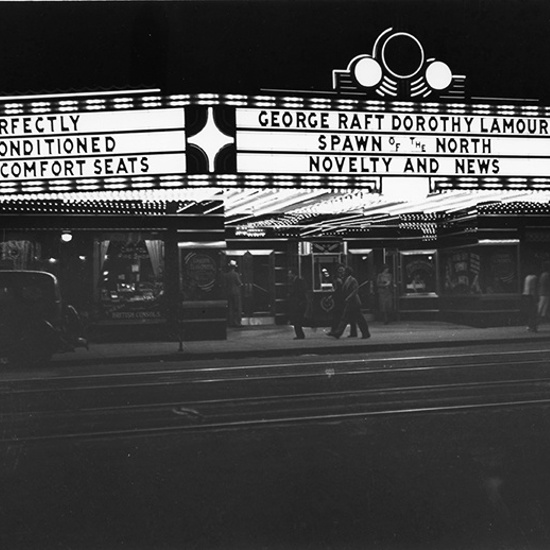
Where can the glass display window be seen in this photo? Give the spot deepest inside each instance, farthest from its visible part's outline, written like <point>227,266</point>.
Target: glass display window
<point>130,279</point>
<point>500,268</point>
<point>20,254</point>
<point>487,269</point>
<point>418,272</point>
<point>461,272</point>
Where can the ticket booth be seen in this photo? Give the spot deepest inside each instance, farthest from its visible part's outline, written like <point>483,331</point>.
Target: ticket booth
<point>318,263</point>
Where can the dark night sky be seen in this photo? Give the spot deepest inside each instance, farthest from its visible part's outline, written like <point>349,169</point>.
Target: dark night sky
<point>227,46</point>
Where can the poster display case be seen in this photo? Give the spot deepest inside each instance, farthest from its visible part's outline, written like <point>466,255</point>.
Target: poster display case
<point>418,273</point>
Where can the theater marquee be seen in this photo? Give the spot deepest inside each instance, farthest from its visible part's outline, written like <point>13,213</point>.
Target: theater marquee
<point>389,114</point>
<point>391,143</point>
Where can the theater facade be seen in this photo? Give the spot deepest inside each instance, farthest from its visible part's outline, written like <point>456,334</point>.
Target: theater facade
<point>138,200</point>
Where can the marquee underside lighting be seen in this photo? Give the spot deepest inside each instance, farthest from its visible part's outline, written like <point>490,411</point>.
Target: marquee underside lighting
<point>291,212</point>
<point>490,184</point>
<point>177,181</point>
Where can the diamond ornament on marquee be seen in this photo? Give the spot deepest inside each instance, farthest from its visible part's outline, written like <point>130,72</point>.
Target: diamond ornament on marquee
<point>211,139</point>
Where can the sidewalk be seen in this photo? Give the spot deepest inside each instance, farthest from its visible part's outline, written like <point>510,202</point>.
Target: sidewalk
<point>273,341</point>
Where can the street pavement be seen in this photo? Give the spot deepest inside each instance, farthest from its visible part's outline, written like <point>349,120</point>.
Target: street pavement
<point>273,341</point>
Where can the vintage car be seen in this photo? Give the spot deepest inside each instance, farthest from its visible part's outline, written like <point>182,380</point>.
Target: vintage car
<point>35,323</point>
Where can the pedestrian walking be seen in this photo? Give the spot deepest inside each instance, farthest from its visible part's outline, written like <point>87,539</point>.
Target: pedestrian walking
<point>339,302</point>
<point>352,308</point>
<point>384,287</point>
<point>296,303</point>
<point>530,300</point>
<point>544,292</point>
<point>233,284</point>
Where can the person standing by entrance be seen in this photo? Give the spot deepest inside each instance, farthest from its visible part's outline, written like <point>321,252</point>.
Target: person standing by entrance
<point>530,290</point>
<point>352,308</point>
<point>384,287</point>
<point>296,303</point>
<point>544,292</point>
<point>233,284</point>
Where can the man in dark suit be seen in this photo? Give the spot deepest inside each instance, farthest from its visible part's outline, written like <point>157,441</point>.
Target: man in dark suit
<point>296,303</point>
<point>352,309</point>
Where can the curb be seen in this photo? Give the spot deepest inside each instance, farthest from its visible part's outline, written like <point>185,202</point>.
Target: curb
<point>288,352</point>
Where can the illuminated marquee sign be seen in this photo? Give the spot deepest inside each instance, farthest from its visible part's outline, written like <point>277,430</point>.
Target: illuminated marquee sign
<point>385,143</point>
<point>105,144</point>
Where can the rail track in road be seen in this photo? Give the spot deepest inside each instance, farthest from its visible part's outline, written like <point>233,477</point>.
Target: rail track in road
<point>161,401</point>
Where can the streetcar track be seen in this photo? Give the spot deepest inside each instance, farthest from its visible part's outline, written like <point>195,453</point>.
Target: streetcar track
<point>327,373</point>
<point>271,366</point>
<point>379,390</point>
<point>276,422</point>
<point>313,395</point>
<point>336,403</point>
